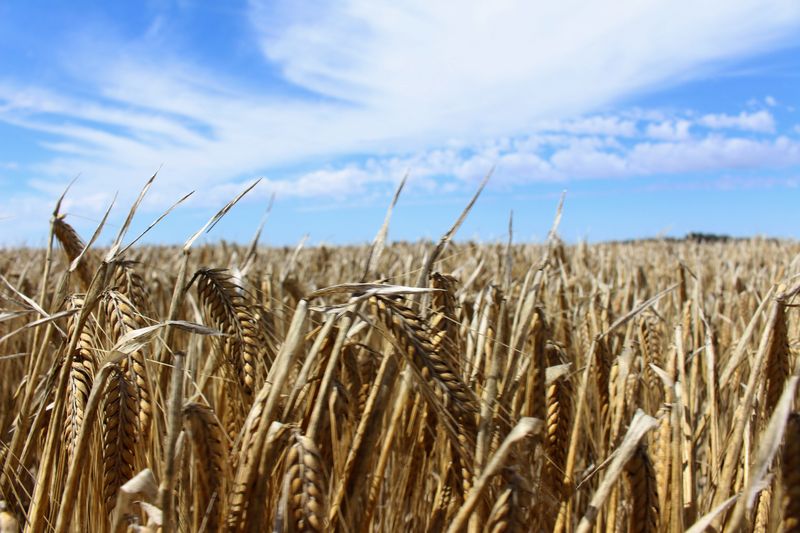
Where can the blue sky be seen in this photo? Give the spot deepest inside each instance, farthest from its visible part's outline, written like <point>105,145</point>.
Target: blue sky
<point>656,117</point>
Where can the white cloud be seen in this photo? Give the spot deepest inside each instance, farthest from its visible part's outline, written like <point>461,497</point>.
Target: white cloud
<point>713,153</point>
<point>548,158</point>
<point>760,121</point>
<point>500,65</point>
<point>669,130</point>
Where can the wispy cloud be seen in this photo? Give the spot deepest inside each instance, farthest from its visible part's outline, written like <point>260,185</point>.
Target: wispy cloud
<point>501,65</point>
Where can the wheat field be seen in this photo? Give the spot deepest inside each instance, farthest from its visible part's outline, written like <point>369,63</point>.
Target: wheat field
<point>642,386</point>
